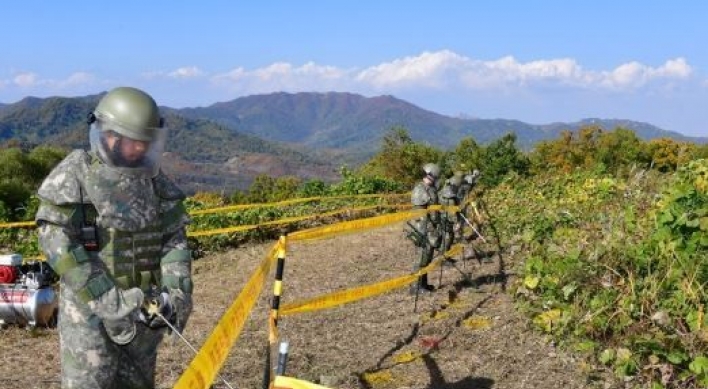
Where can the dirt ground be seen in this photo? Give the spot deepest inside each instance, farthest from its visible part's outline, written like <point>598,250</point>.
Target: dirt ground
<point>464,335</point>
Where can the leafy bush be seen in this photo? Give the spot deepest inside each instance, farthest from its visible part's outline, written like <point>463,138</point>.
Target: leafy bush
<point>628,281</point>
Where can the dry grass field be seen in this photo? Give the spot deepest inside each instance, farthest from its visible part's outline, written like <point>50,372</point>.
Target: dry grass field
<point>464,335</point>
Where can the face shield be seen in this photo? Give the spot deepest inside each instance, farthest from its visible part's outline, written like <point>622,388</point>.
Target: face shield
<point>126,154</point>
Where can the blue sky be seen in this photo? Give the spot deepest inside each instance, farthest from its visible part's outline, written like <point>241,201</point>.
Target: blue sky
<point>534,61</point>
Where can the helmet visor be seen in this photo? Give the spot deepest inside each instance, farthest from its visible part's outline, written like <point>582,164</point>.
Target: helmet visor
<point>129,155</point>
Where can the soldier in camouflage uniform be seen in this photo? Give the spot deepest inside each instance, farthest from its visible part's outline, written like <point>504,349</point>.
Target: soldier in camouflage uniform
<point>449,197</point>
<point>469,180</point>
<point>113,226</point>
<point>425,194</point>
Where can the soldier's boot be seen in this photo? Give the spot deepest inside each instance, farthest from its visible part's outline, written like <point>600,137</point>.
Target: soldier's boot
<point>421,286</point>
<point>424,285</point>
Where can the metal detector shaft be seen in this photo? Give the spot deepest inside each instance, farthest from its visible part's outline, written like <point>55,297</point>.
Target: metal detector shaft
<point>189,345</point>
<point>473,228</point>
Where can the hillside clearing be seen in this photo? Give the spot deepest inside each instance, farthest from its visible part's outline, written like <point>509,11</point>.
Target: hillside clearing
<point>465,335</point>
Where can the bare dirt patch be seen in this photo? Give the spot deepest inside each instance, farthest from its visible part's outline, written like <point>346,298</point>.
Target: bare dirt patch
<point>465,335</point>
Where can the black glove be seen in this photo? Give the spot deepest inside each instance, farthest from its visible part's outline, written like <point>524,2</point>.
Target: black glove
<point>158,311</point>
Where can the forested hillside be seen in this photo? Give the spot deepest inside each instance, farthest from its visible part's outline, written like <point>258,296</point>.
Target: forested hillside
<point>352,122</point>
<point>203,154</point>
<point>306,135</point>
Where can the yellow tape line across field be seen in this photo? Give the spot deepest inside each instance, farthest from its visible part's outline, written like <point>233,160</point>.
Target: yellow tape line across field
<point>18,224</point>
<point>239,207</point>
<point>243,206</point>
<point>205,366</point>
<point>288,220</point>
<point>350,295</point>
<point>353,225</point>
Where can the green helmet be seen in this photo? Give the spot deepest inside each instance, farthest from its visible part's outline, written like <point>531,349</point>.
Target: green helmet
<point>432,169</point>
<point>129,112</point>
<point>127,133</point>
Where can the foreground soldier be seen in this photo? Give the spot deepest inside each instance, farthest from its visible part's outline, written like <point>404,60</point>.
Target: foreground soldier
<point>112,225</point>
<point>425,194</point>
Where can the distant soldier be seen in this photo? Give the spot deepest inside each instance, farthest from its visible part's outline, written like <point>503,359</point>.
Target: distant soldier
<point>469,181</point>
<point>425,194</point>
<point>449,195</point>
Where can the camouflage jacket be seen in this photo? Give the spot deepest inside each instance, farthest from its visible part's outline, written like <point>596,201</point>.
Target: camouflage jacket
<point>140,228</point>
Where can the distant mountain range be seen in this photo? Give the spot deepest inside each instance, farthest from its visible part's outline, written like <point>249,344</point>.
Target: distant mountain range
<point>224,145</point>
<point>356,123</point>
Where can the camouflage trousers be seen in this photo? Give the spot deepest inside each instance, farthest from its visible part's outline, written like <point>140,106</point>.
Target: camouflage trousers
<point>89,359</point>
<point>427,252</point>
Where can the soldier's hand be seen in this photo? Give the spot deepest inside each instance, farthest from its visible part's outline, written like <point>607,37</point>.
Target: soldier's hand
<point>118,309</point>
<point>182,305</point>
<point>157,311</point>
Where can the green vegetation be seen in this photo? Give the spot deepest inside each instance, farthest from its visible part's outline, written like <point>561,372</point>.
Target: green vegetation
<point>615,266</point>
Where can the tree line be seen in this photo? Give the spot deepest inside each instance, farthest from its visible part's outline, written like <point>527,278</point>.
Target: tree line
<point>395,167</point>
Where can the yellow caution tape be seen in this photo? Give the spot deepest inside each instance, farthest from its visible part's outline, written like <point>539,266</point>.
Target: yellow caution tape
<point>239,207</point>
<point>204,367</point>
<point>346,296</point>
<point>287,220</point>
<point>354,225</point>
<point>350,295</point>
<point>283,382</point>
<point>18,224</point>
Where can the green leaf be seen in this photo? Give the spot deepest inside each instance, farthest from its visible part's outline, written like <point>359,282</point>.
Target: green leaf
<point>585,346</point>
<point>699,365</point>
<point>568,290</point>
<point>531,282</point>
<point>693,223</point>
<point>666,217</point>
<point>677,357</point>
<point>703,223</point>
<point>607,356</point>
<point>657,385</point>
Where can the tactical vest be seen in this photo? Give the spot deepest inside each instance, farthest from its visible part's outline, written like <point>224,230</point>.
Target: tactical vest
<point>424,195</point>
<point>131,215</point>
<point>448,195</point>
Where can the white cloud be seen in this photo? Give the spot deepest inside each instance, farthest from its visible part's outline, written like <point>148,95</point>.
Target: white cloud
<point>635,74</point>
<point>25,79</point>
<point>23,83</point>
<point>445,69</point>
<point>284,76</point>
<point>427,69</point>
<point>448,70</point>
<point>429,73</point>
<point>76,79</point>
<point>186,72</point>
<point>32,80</point>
